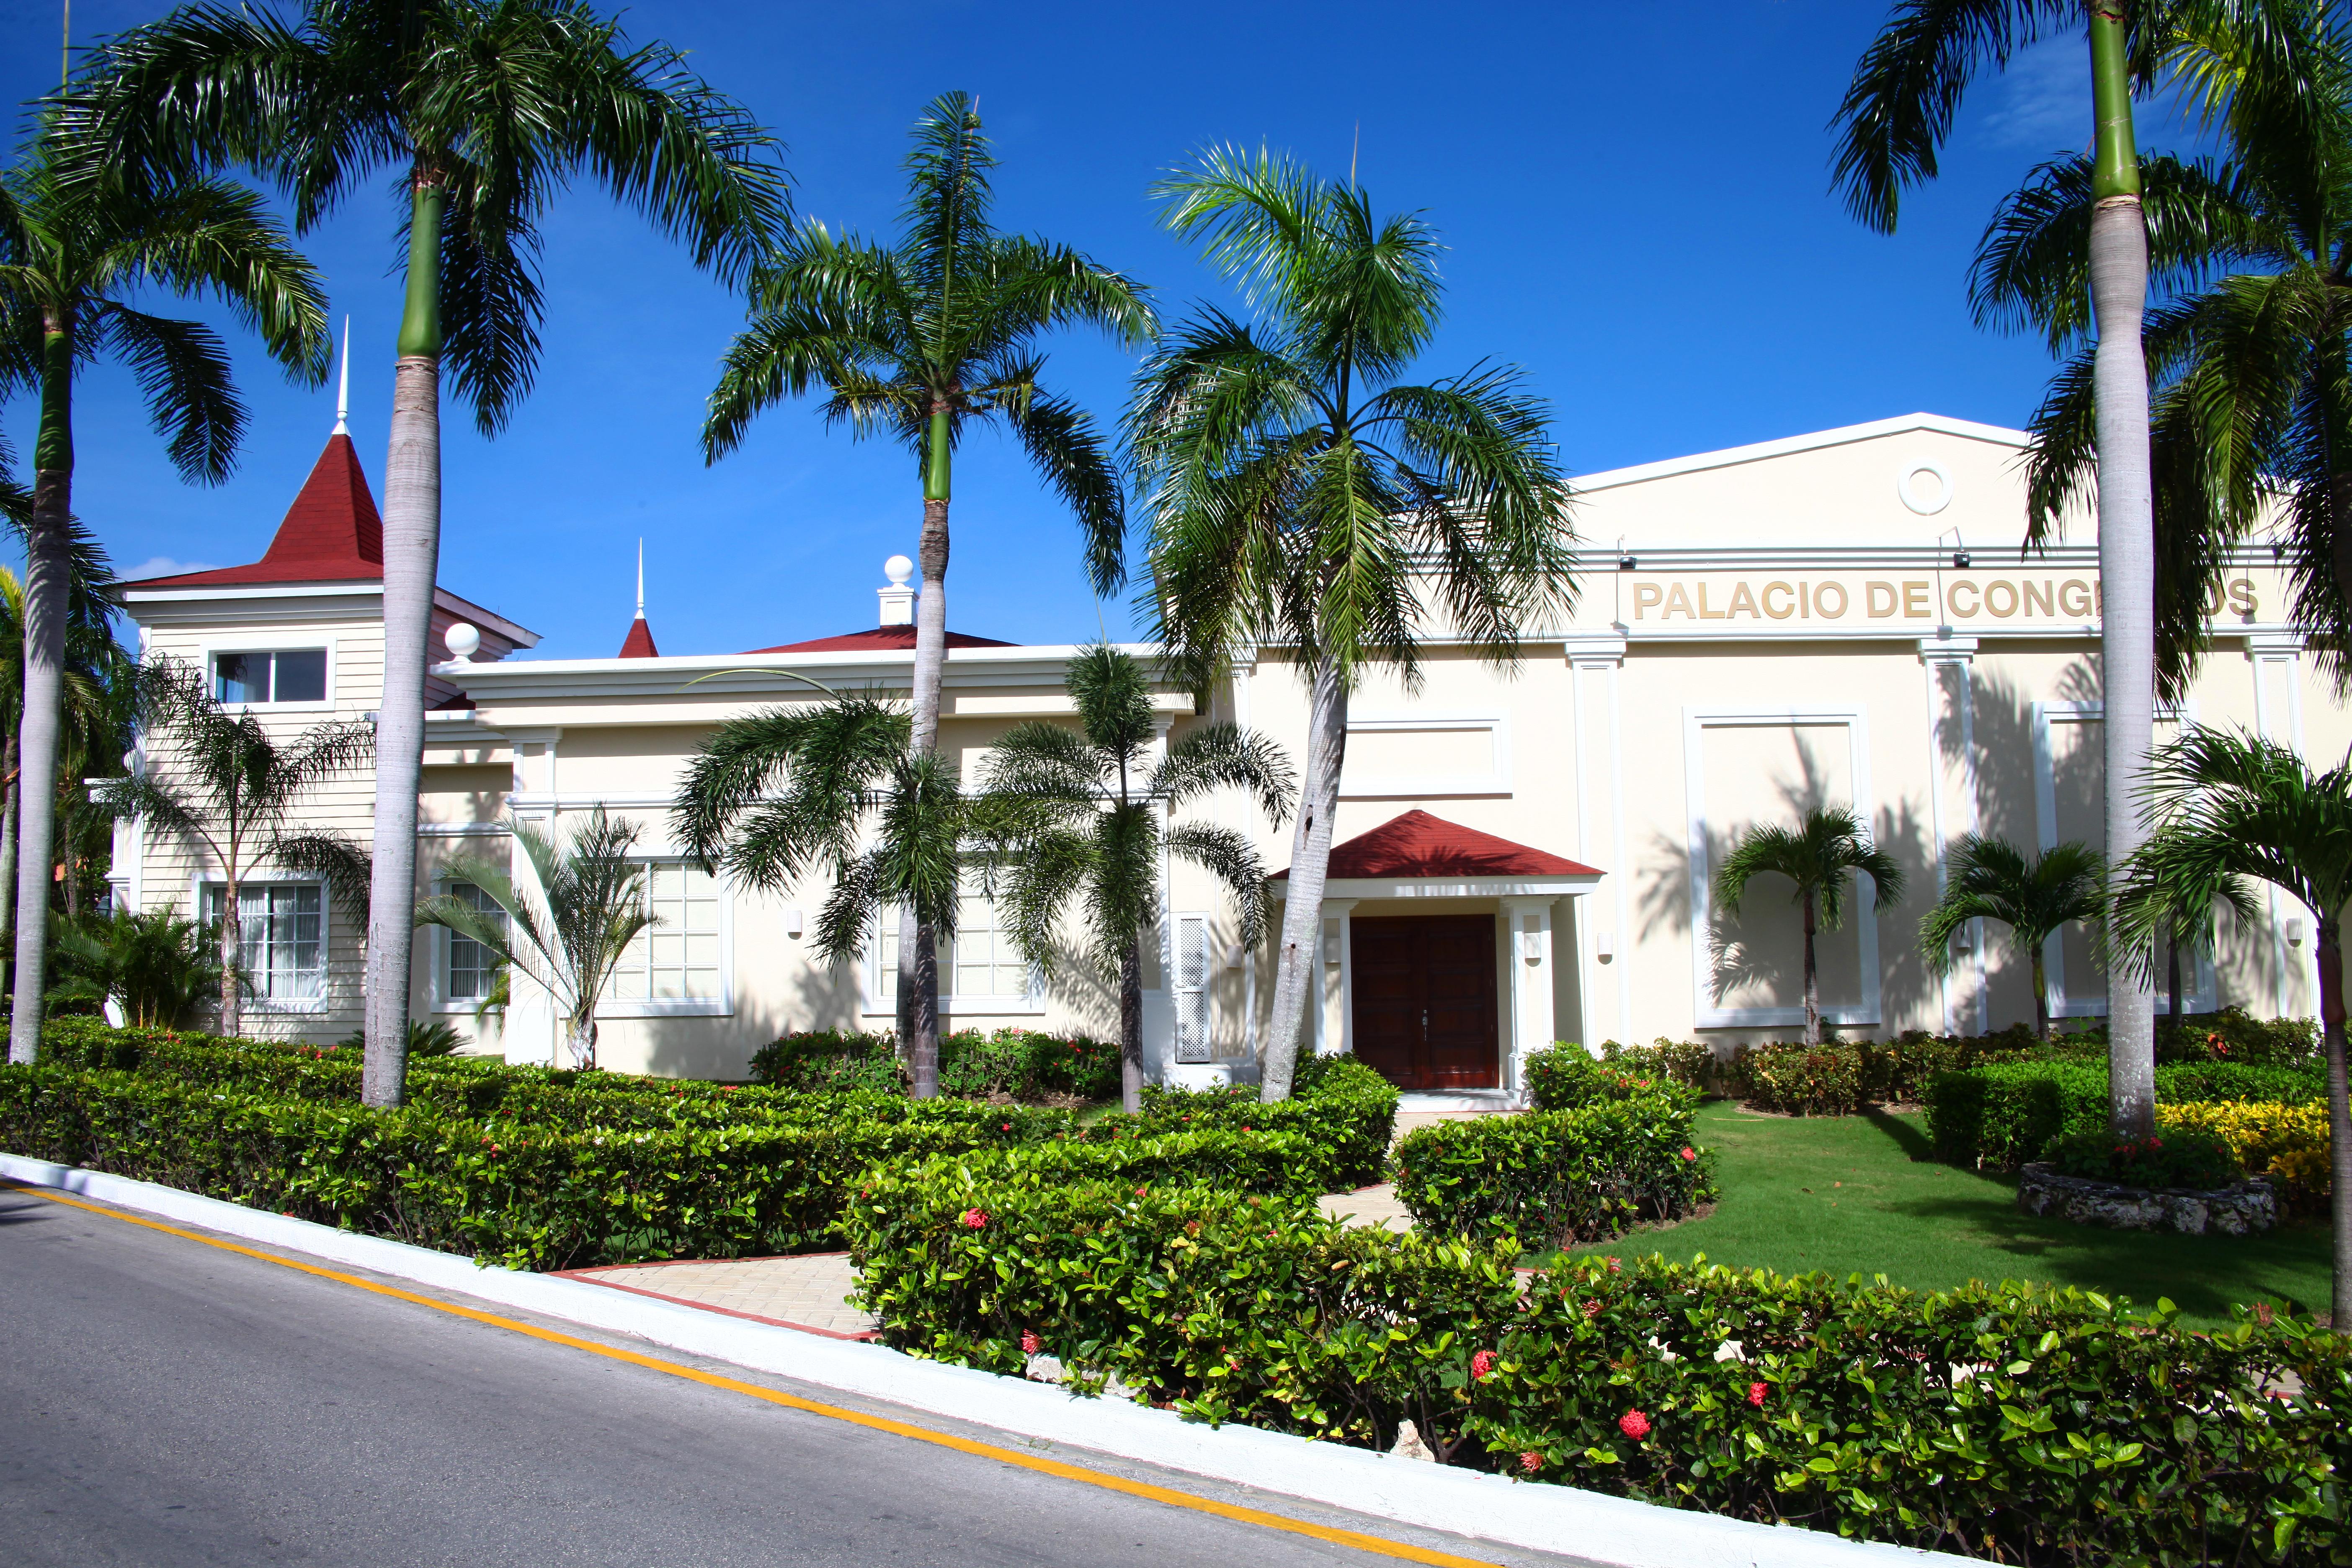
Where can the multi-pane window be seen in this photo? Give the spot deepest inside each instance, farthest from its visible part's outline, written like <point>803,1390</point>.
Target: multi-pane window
<point>470,973</point>
<point>980,964</point>
<point>677,958</point>
<point>1192,973</point>
<point>279,675</point>
<point>282,928</point>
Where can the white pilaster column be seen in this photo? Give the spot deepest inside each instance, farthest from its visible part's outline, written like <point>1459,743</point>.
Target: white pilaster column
<point>1240,671</point>
<point>1528,959</point>
<point>1948,662</point>
<point>1335,1019</point>
<point>532,1033</point>
<point>1160,1022</point>
<point>1603,969</point>
<point>2277,661</point>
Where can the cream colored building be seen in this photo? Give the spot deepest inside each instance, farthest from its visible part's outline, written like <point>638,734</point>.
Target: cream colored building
<point>1838,617</point>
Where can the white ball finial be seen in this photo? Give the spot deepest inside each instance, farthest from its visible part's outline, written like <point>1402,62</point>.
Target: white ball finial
<point>897,568</point>
<point>462,640</point>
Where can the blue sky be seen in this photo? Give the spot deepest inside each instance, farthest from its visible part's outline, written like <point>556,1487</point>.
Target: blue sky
<point>1636,209</point>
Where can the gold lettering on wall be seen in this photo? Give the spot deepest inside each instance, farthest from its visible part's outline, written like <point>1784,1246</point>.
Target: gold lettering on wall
<point>1955,597</point>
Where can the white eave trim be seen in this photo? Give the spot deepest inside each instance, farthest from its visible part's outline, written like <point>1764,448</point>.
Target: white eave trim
<point>1565,886</point>
<point>1845,435</point>
<point>726,675</point>
<point>348,589</point>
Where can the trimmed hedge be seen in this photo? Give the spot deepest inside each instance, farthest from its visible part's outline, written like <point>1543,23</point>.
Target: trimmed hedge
<point>1565,1075</point>
<point>2018,1422</point>
<point>2287,1143</point>
<point>2001,1115</point>
<point>1010,1064</point>
<point>1343,1109</point>
<point>1546,1178</point>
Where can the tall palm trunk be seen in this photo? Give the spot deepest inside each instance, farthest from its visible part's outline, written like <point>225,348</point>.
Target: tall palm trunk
<point>580,1041</point>
<point>8,840</point>
<point>232,953</point>
<point>1812,977</point>
<point>2040,994</point>
<point>2329,939</point>
<point>2172,972</point>
<point>46,565</point>
<point>919,985</point>
<point>412,552</point>
<point>1130,1026</point>
<point>2126,541</point>
<point>1298,969</point>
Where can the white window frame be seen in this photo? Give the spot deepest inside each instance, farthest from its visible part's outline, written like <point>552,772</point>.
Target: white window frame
<point>880,990</point>
<point>438,984</point>
<point>210,653</point>
<point>2201,992</point>
<point>1494,780</point>
<point>719,1007</point>
<point>1696,722</point>
<point>199,884</point>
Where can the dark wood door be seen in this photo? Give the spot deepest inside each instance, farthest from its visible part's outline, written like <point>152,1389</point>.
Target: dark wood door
<point>1424,1000</point>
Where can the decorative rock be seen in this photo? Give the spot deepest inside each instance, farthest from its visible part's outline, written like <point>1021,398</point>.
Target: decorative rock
<point>2246,1207</point>
<point>1409,1445</point>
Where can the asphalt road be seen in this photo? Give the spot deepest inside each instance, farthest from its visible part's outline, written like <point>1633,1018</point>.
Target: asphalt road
<point>165,1402</point>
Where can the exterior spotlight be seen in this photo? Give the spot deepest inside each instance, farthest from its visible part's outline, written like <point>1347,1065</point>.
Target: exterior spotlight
<point>1627,563</point>
<point>1959,560</point>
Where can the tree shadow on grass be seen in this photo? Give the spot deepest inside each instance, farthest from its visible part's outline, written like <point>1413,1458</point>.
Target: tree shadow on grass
<point>1903,1135</point>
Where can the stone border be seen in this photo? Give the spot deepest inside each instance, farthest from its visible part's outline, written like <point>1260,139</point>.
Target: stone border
<point>2246,1207</point>
<point>1607,1531</point>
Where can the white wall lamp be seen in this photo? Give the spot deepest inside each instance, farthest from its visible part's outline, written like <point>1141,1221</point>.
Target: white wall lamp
<point>1604,946</point>
<point>792,923</point>
<point>2294,930</point>
<point>1331,940</point>
<point>1235,955</point>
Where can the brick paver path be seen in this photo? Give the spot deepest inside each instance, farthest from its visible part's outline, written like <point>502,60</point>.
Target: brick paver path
<point>1367,1207</point>
<point>810,1291</point>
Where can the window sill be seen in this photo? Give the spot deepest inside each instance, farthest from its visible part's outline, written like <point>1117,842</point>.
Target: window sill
<point>294,1008</point>
<point>677,1007</point>
<point>967,1006</point>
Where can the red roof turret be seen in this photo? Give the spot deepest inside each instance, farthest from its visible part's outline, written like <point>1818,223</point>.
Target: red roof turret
<point>639,643</point>
<point>331,533</point>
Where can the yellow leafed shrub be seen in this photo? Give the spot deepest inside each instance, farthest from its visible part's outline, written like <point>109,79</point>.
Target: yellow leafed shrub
<point>2288,1143</point>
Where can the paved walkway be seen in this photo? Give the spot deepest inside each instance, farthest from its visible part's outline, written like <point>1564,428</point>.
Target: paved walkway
<point>810,1292</point>
<point>1367,1207</point>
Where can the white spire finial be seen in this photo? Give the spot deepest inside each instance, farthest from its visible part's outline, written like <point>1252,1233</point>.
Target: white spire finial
<point>641,579</point>
<point>343,389</point>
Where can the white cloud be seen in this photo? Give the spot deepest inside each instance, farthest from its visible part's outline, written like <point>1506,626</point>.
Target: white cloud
<point>2043,101</point>
<point>165,566</point>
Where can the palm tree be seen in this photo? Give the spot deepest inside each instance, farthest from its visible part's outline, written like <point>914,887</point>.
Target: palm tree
<point>918,341</point>
<point>73,252</point>
<point>156,966</point>
<point>837,788</point>
<point>592,905</point>
<point>2225,810</point>
<point>1897,110</point>
<point>2253,406</point>
<point>1819,855</point>
<point>223,781</point>
<point>1083,815</point>
<point>1990,878</point>
<point>484,110</point>
<point>1301,494</point>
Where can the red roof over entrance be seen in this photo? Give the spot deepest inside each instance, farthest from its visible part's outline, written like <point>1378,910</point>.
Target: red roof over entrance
<point>881,639</point>
<point>331,532</point>
<point>1420,845</point>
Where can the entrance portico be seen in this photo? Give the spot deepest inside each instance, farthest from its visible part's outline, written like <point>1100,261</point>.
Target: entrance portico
<point>1437,954</point>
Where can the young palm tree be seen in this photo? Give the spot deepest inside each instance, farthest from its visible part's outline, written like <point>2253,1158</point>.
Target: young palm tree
<point>1819,855</point>
<point>1896,113</point>
<point>838,789</point>
<point>219,779</point>
<point>1083,815</point>
<point>591,906</point>
<point>2253,405</point>
<point>1302,495</point>
<point>2226,810</point>
<point>920,339</point>
<point>483,109</point>
<point>1989,878</point>
<point>156,966</point>
<point>73,252</point>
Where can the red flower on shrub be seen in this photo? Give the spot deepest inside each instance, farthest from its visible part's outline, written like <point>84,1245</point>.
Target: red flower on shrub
<point>1756,1394</point>
<point>974,1218</point>
<point>1635,1425</point>
<point>1481,1364</point>
<point>1615,1267</point>
<point>1531,1462</point>
<point>1591,1309</point>
<point>1689,1153</point>
<point>1028,1343</point>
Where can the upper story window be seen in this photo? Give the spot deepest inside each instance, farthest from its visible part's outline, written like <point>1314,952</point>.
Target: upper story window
<point>271,674</point>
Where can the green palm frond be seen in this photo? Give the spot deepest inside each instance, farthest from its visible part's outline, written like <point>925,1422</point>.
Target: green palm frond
<point>1989,878</point>
<point>335,860</point>
<point>1818,856</point>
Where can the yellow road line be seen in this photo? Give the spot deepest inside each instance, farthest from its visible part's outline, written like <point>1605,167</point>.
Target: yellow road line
<point>1174,1499</point>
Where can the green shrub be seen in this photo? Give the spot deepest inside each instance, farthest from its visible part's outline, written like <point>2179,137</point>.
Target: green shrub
<point>2013,1422</point>
<point>1999,1115</point>
<point>1806,1081</point>
<point>1565,1077</point>
<point>1685,1061</point>
<point>1554,1178</point>
<point>1342,1108</point>
<point>1010,1064</point>
<point>2188,1157</point>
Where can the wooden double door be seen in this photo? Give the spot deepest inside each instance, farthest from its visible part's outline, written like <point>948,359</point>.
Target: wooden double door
<point>1425,1000</point>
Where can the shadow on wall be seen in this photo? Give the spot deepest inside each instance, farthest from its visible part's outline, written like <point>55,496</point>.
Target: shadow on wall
<point>1762,951</point>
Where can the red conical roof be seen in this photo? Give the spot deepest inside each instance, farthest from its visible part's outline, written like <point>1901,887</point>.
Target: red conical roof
<point>639,643</point>
<point>1420,845</point>
<point>331,532</point>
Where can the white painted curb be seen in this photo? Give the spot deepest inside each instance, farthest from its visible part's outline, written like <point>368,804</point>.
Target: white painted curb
<point>1615,1532</point>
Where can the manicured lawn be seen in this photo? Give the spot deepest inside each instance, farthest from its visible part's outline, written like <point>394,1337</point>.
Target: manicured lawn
<point>1857,1194</point>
